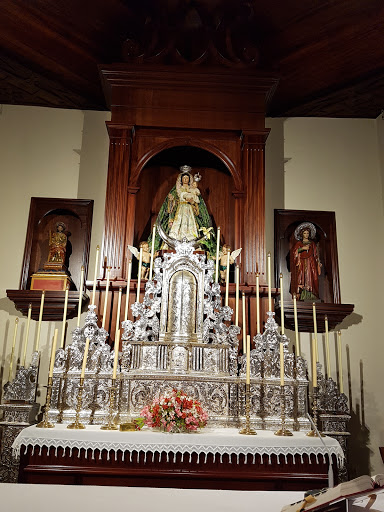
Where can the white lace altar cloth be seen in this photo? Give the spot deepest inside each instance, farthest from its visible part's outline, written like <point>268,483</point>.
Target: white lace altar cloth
<point>209,441</point>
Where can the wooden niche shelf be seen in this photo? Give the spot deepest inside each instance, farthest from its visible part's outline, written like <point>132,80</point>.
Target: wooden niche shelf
<point>334,312</point>
<point>53,303</point>
<point>44,213</point>
<point>328,303</point>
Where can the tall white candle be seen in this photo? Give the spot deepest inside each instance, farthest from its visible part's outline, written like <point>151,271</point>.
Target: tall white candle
<point>118,310</point>
<point>139,275</point>
<point>85,357</point>
<point>296,326</point>
<point>248,368</point>
<point>282,304</point>
<point>13,349</point>
<point>106,298</point>
<point>328,357</point>
<point>27,334</point>
<point>39,322</point>
<point>95,275</point>
<point>237,295</point>
<point>53,353</point>
<point>341,383</point>
<point>314,363</point>
<point>258,327</point>
<point>64,319</point>
<point>80,295</point>
<point>217,255</point>
<point>227,280</point>
<point>152,251</point>
<point>129,272</point>
<point>269,282</point>
<point>315,328</point>
<point>281,364</point>
<point>244,324</point>
<point>116,349</point>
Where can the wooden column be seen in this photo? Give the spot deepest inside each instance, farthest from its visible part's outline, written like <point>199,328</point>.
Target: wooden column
<point>116,201</point>
<point>240,197</point>
<point>254,207</point>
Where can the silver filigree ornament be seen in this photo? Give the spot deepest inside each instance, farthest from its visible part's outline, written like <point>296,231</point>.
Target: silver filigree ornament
<point>67,368</point>
<point>162,348</point>
<point>23,386</point>
<point>265,380</point>
<point>334,415</point>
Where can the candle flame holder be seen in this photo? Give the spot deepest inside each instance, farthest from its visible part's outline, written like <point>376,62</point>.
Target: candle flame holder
<point>112,393</point>
<point>247,430</point>
<point>45,423</point>
<point>315,432</point>
<point>283,431</point>
<point>63,393</point>
<point>76,425</point>
<point>62,398</point>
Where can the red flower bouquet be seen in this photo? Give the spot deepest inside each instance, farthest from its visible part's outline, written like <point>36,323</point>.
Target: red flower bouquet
<point>174,412</point>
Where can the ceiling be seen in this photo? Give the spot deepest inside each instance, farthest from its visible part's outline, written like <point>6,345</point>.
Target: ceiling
<point>329,54</point>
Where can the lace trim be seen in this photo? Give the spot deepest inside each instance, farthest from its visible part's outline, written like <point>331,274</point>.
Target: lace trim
<point>217,443</point>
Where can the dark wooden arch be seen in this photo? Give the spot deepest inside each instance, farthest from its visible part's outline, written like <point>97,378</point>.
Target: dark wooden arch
<point>192,142</point>
<point>158,175</point>
<point>155,108</point>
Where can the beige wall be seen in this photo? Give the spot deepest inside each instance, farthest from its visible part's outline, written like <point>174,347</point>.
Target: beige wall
<point>45,153</point>
<point>380,142</point>
<point>93,173</point>
<point>274,178</point>
<point>331,164</point>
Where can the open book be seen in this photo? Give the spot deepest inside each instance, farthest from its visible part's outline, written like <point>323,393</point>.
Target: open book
<point>319,499</point>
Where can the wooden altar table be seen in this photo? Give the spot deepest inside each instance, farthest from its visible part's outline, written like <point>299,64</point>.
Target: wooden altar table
<point>211,459</point>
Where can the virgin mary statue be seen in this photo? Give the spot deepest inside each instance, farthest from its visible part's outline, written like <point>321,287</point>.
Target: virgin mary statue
<point>184,214</point>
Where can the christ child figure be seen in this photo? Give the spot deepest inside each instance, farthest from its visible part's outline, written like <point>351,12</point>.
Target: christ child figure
<point>193,193</point>
<point>146,260</point>
<point>224,261</point>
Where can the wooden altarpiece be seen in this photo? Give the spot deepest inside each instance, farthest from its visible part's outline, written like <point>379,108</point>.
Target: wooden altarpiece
<point>44,213</point>
<point>164,117</point>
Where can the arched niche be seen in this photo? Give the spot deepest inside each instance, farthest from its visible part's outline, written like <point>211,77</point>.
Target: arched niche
<point>43,217</point>
<point>47,224</point>
<point>324,254</point>
<point>159,175</point>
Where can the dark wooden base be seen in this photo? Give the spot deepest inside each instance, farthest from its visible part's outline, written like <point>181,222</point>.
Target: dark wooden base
<point>44,468</point>
<point>53,303</point>
<point>335,313</point>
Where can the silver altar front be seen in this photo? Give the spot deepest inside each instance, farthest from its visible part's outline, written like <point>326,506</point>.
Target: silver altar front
<point>181,338</point>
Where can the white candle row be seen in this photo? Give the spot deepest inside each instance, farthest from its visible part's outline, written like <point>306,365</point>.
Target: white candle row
<point>315,352</point>
<point>246,344</point>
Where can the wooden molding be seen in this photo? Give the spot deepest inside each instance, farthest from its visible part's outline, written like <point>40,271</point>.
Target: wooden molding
<point>335,313</point>
<point>53,303</point>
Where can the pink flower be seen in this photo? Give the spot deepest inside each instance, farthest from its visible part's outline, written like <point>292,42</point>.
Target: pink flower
<point>174,411</point>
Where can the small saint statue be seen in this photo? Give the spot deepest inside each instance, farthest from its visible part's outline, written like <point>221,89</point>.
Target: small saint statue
<point>57,248</point>
<point>305,263</point>
<point>55,274</point>
<point>223,260</point>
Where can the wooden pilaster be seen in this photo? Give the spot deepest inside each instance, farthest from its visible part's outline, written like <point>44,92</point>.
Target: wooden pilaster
<point>116,202</point>
<point>254,205</point>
